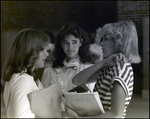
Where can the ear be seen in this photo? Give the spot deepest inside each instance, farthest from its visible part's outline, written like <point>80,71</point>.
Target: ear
<point>118,35</point>
<point>61,43</point>
<point>121,48</point>
<point>81,42</point>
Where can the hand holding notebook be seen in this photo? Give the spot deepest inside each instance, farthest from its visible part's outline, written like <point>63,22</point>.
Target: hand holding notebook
<point>45,103</point>
<point>83,103</point>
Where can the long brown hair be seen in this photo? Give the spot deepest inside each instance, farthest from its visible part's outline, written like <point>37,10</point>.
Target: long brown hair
<point>24,51</point>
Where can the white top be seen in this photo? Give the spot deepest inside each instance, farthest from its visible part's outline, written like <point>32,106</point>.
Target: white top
<point>16,95</point>
<point>64,76</point>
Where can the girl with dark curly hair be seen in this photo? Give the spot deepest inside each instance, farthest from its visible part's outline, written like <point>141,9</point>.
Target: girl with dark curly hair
<point>71,56</point>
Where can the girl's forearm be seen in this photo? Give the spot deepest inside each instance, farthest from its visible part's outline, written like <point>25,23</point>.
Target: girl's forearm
<point>85,75</point>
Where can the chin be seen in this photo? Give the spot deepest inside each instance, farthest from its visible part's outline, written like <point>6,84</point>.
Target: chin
<point>41,66</point>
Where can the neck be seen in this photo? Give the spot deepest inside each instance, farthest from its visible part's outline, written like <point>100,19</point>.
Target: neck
<point>71,60</point>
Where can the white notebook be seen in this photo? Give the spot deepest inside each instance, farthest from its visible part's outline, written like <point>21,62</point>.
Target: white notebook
<point>84,104</point>
<point>45,103</point>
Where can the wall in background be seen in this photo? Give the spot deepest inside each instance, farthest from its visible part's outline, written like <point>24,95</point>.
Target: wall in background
<point>52,15</point>
<point>145,90</point>
<point>136,11</point>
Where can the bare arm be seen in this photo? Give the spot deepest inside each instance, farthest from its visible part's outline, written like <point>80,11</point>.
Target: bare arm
<point>83,76</point>
<point>117,105</point>
<point>89,74</point>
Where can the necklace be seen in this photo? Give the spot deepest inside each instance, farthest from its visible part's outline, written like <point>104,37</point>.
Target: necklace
<point>73,60</point>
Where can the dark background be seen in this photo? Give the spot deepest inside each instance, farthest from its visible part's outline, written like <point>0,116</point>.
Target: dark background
<point>54,14</point>
<point>89,15</point>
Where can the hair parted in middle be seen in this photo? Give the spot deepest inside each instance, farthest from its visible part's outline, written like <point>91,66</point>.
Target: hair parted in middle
<point>76,31</point>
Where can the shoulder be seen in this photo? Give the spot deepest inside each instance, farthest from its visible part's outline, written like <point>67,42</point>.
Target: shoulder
<point>84,66</point>
<point>48,69</point>
<point>87,64</point>
<point>21,77</point>
<point>124,69</point>
<point>125,76</point>
<point>120,68</point>
<point>22,81</point>
<point>50,72</point>
<point>24,77</point>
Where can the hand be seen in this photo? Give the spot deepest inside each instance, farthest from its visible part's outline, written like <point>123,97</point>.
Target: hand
<point>96,53</point>
<point>113,59</point>
<point>96,49</point>
<point>98,30</point>
<point>70,112</point>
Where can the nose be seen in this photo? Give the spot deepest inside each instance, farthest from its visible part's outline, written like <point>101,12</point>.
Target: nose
<point>53,47</point>
<point>101,43</point>
<point>46,54</point>
<point>70,46</point>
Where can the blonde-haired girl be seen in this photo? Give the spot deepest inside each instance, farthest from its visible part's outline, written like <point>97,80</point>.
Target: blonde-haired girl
<point>114,84</point>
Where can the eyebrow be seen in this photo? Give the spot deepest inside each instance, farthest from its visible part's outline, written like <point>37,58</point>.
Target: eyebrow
<point>72,40</point>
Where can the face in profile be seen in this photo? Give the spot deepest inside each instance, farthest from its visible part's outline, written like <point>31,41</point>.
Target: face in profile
<point>71,46</point>
<point>108,46</point>
<point>39,63</point>
<point>97,39</point>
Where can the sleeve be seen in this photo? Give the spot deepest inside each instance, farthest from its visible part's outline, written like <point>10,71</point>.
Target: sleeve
<point>46,77</point>
<point>21,88</point>
<point>125,78</point>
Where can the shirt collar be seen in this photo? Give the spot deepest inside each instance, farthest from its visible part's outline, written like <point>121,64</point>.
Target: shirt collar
<point>72,63</point>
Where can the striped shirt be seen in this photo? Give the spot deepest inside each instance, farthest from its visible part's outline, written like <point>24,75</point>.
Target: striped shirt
<point>104,85</point>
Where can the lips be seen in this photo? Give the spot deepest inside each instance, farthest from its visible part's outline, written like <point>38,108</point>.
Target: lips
<point>102,50</point>
<point>43,60</point>
<point>70,51</point>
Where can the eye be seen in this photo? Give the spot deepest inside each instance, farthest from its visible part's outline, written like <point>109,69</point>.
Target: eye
<point>65,43</point>
<point>43,50</point>
<point>49,50</point>
<point>102,39</point>
<point>94,56</point>
<point>74,42</point>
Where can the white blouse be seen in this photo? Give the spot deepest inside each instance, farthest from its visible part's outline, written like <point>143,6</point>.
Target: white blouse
<point>64,76</point>
<point>16,95</point>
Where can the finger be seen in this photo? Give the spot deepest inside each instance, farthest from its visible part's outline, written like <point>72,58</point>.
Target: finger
<point>115,58</point>
<point>71,112</point>
<point>123,58</point>
<point>120,56</point>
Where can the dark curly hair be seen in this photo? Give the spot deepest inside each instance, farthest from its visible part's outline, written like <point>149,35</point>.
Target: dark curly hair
<point>75,30</point>
<point>24,51</point>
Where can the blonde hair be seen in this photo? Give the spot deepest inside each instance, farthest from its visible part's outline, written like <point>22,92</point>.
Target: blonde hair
<point>125,36</point>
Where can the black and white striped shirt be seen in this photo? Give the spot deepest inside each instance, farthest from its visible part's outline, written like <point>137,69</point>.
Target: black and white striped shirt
<point>104,85</point>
